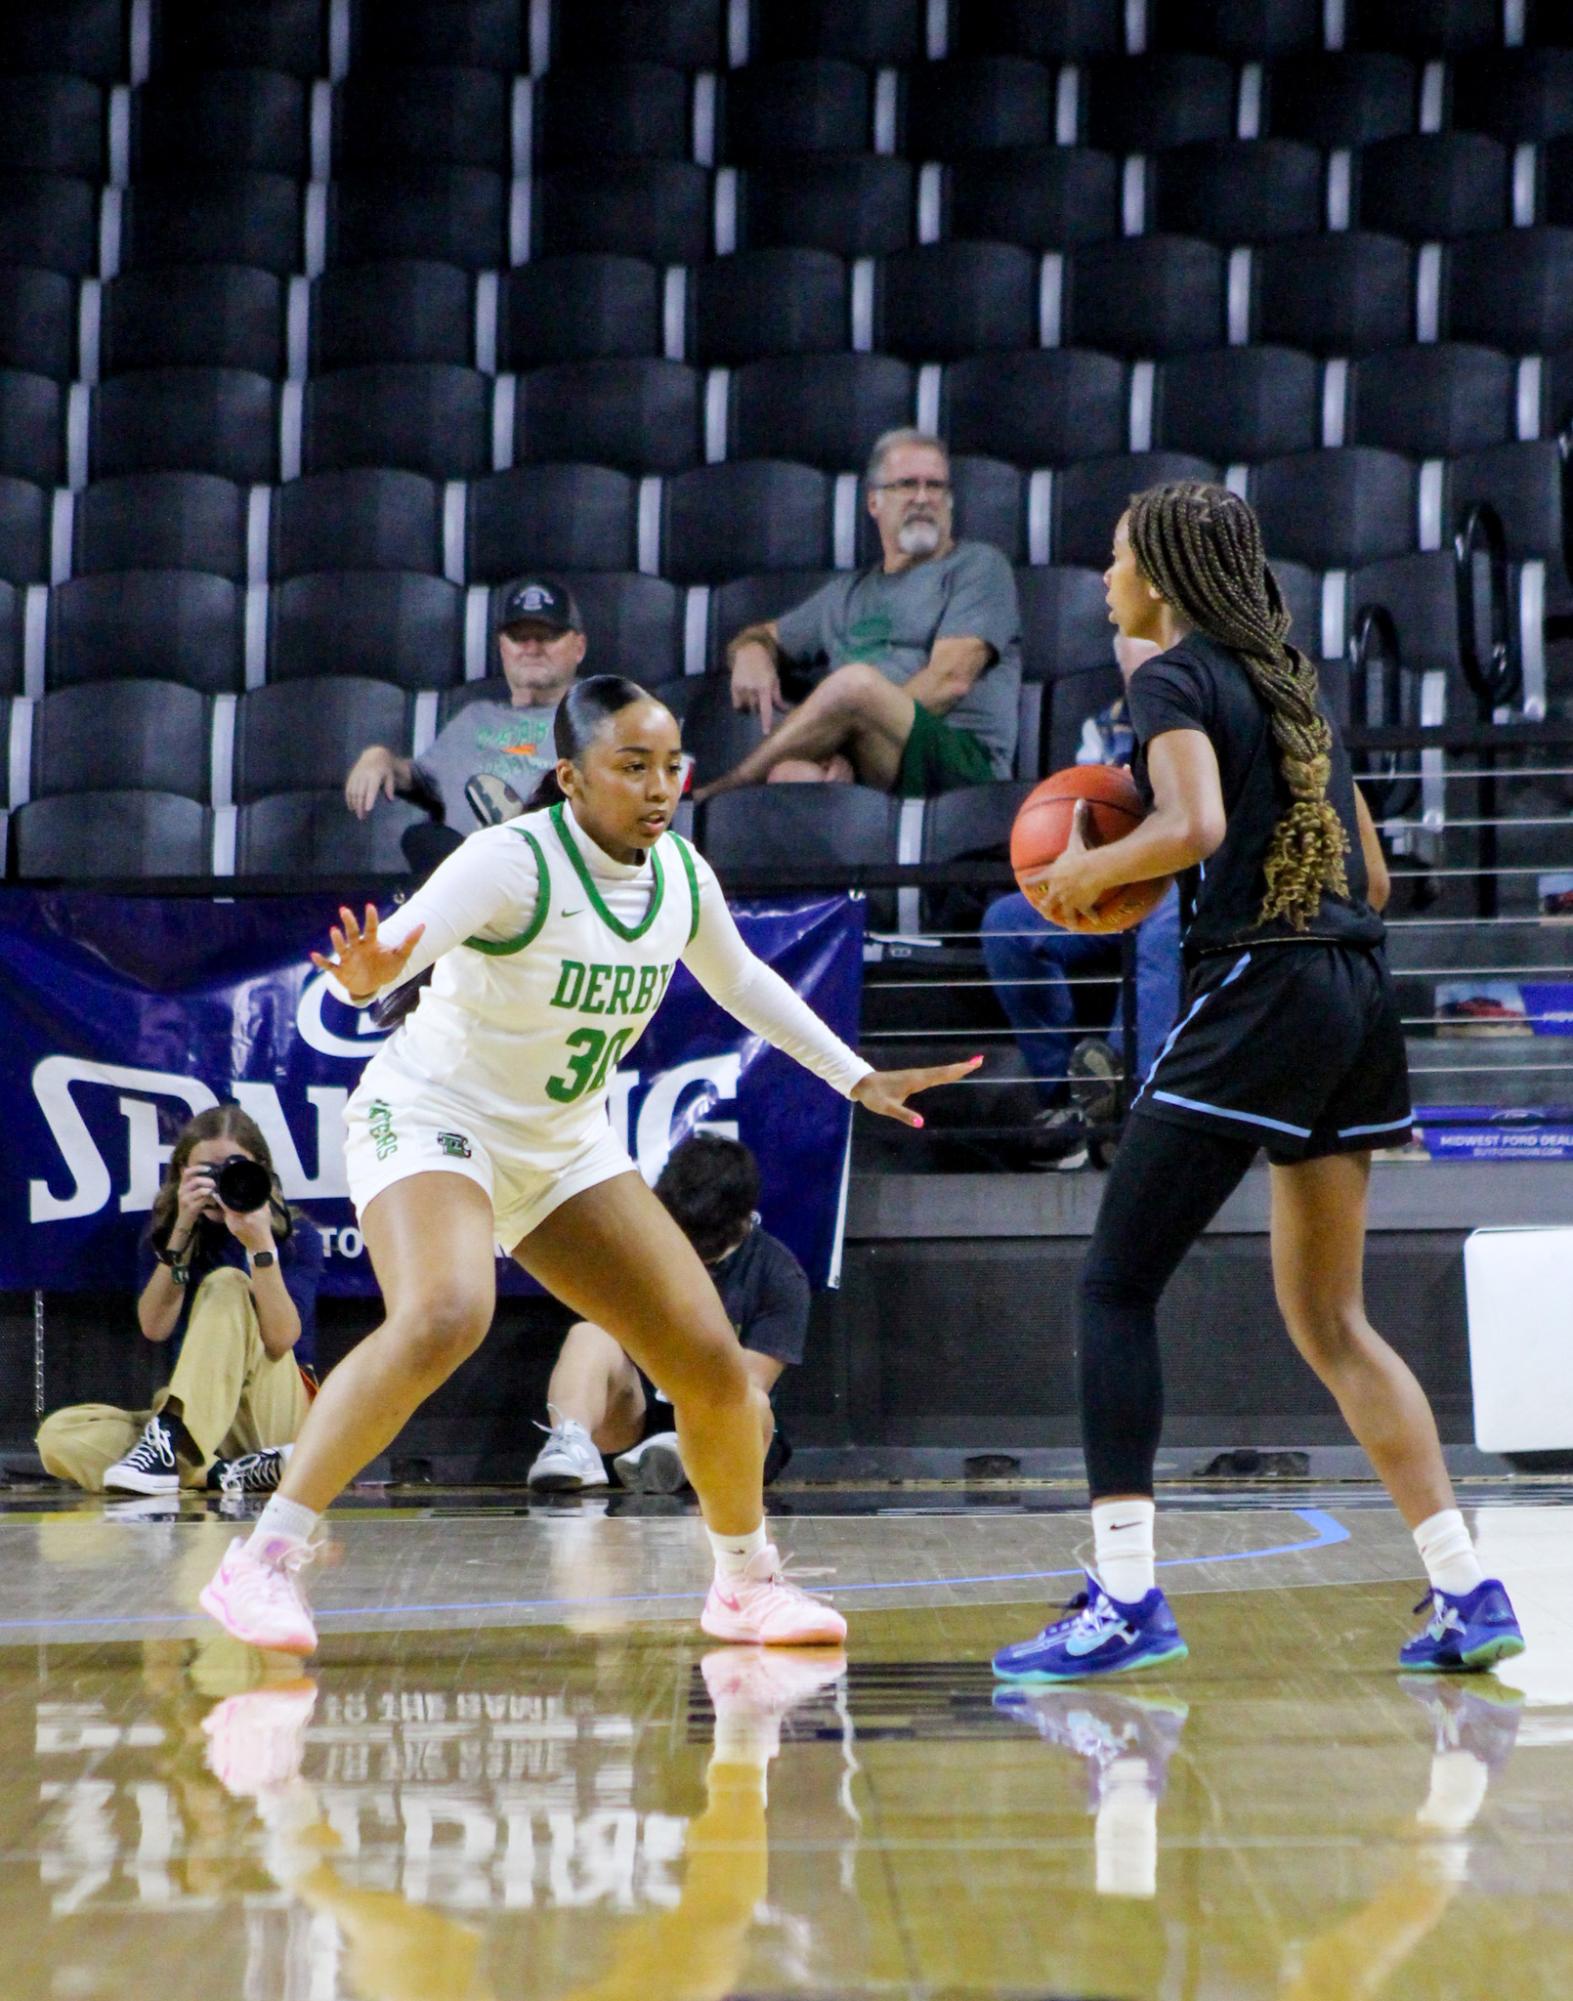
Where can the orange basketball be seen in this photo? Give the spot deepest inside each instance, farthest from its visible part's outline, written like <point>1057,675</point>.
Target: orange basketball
<point>1043,827</point>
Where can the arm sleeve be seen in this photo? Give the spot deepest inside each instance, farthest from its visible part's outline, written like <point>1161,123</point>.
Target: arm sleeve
<point>486,888</point>
<point>760,999</point>
<point>779,1327</point>
<point>1161,696</point>
<point>982,602</point>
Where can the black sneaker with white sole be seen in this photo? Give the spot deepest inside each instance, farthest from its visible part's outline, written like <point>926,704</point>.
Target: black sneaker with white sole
<point>150,1466</point>
<point>250,1473</point>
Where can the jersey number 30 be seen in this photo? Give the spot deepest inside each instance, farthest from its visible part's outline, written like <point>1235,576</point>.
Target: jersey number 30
<point>596,1056</point>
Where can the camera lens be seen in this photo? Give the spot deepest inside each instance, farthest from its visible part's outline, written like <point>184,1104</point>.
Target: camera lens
<point>243,1184</point>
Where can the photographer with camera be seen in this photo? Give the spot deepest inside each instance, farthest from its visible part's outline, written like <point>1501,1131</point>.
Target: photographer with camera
<point>230,1274</point>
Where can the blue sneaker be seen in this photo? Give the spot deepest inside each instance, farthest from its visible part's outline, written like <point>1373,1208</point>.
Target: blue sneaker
<point>1101,1636</point>
<point>1465,1634</point>
<point>1105,1729</point>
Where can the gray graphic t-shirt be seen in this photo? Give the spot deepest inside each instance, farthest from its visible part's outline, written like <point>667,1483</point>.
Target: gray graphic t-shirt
<point>490,757</point>
<point>892,623</point>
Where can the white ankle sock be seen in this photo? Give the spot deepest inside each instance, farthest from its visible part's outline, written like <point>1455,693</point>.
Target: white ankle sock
<point>1122,1546</point>
<point>1448,1554</point>
<point>283,1518</point>
<point>732,1552</point>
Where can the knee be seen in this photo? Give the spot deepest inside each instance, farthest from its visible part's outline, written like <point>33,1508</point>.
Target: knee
<point>1111,1282</point>
<point>434,1336</point>
<point>795,771</point>
<point>49,1441</point>
<point>709,1379</point>
<point>1326,1334</point>
<point>852,689</point>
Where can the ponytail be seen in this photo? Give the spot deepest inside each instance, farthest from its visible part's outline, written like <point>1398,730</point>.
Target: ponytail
<point>580,714</point>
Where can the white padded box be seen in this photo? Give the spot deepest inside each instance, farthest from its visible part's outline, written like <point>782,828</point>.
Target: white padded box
<point>1519,1289</point>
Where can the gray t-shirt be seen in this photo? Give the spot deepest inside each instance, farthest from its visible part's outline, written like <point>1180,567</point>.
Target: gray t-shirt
<point>491,753</point>
<point>892,623</point>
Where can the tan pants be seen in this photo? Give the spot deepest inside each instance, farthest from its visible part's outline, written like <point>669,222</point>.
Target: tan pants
<point>232,1397</point>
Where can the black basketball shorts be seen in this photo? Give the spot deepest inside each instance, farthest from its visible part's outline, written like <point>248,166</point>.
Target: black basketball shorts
<point>1297,1046</point>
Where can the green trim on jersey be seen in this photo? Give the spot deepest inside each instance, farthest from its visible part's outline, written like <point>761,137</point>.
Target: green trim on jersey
<point>693,882</point>
<point>627,932</point>
<point>500,948</point>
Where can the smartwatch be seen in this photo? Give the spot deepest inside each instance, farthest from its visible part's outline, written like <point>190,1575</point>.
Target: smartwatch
<point>260,1259</point>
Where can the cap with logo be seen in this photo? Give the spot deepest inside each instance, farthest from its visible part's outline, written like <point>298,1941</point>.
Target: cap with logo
<point>541,600</point>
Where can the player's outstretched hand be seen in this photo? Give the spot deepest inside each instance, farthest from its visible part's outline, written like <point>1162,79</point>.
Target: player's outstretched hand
<point>364,964</point>
<point>887,1091</point>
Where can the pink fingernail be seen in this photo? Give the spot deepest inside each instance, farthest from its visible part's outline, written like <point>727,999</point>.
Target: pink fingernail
<point>917,1119</point>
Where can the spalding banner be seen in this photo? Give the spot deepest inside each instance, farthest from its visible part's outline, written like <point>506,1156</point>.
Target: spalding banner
<point>122,1016</point>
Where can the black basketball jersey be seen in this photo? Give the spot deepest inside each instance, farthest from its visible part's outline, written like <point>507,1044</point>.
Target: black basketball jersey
<point>1201,685</point>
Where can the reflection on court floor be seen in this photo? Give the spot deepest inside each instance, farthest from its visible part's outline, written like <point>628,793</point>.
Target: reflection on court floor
<point>555,1789</point>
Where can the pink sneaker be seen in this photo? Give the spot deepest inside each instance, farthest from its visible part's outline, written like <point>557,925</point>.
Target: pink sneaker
<point>257,1598</point>
<point>257,1740</point>
<point>761,1608</point>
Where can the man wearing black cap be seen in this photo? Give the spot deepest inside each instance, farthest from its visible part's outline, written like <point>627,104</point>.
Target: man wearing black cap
<point>486,762</point>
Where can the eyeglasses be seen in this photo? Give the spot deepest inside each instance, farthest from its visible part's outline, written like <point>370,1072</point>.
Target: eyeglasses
<point>909,489</point>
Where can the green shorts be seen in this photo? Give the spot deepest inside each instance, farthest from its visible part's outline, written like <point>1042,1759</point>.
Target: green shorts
<point>938,757</point>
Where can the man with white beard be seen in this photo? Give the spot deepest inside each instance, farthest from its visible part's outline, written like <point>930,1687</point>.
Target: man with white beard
<point>920,654</point>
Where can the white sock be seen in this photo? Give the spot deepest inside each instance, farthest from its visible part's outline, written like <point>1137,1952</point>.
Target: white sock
<point>282,1518</point>
<point>1448,1554</point>
<point>732,1552</point>
<point>1122,1545</point>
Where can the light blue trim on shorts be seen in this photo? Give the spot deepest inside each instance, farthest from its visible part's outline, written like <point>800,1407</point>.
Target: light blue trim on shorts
<point>1223,1112</point>
<point>1174,1033</point>
<point>1387,1126</point>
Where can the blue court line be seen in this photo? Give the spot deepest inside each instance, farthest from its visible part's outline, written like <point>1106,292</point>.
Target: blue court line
<point>1327,1530</point>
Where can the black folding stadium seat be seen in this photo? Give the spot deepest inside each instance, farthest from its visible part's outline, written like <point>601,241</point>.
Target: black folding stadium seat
<point>49,221</point>
<point>1433,401</point>
<point>584,307</point>
<point>1045,197</point>
<point>715,734</point>
<point>452,215</point>
<point>658,209</point>
<point>1436,184</point>
<point>760,302</point>
<point>1069,31</point>
<point>66,37</point>
<point>38,314</point>
<point>32,427</point>
<point>12,618</point>
<point>313,833</point>
<point>162,625</point>
<point>1424,27</point>
<point>777,828</point>
<point>728,520</point>
<point>1547,26</point>
<point>145,736</point>
<point>645,416</point>
<point>634,624</point>
<point>481,34</point>
<point>824,409</point>
<point>944,300</point>
<point>436,116</point>
<point>1064,620</point>
<point>1336,509</point>
<point>220,216</point>
<point>970,823</point>
<point>1345,293</point>
<point>222,420</point>
<point>52,125</point>
<point>1142,104</point>
<point>859,31</point>
<point>611,110</point>
<point>1073,700</point>
<point>290,35</point>
<point>24,531</point>
<point>1526,484</point>
<point>366,519</point>
<point>1250,30</point>
<point>1150,296</point>
<point>1556,180</point>
<point>1238,190</point>
<point>160,521</point>
<point>1339,98</point>
<point>689,34</point>
<point>1044,407</point>
<point>1556,395</point>
<point>431,418</point>
<point>392,625</point>
<point>1238,403</point>
<point>91,836</point>
<point>255,118</point>
<point>1089,499</point>
<point>803,106</point>
<point>406,309</point>
<point>193,316</point>
<point>1421,595</point>
<point>550,517</point>
<point>857,204</point>
<point>748,601</point>
<point>1517,95</point>
<point>289,736</point>
<point>977,104</point>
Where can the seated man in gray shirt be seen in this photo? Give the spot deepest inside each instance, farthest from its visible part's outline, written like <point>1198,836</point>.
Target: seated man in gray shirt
<point>487,761</point>
<point>920,654</point>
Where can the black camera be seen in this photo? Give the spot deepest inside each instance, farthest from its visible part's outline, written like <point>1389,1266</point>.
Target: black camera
<point>241,1183</point>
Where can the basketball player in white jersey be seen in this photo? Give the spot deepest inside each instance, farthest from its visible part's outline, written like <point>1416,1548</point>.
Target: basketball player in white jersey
<point>483,1120</point>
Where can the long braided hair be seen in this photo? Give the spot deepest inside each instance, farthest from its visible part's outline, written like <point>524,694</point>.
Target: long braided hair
<point>1201,546</point>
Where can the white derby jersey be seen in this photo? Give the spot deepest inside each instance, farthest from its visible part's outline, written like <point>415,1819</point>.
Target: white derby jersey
<point>549,958</point>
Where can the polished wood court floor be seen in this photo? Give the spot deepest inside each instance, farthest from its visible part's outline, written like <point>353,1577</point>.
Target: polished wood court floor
<point>516,1768</point>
